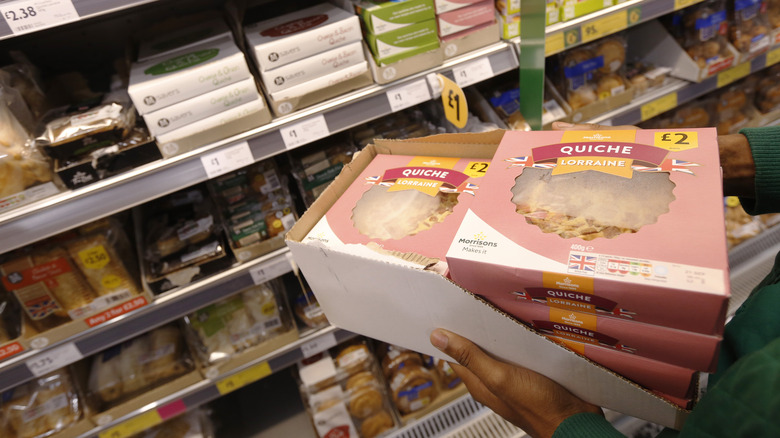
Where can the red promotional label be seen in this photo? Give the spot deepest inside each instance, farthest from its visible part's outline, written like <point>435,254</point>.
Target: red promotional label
<point>450,177</point>
<point>127,306</point>
<point>11,349</point>
<point>295,26</point>
<point>338,432</point>
<point>629,151</point>
<point>720,66</point>
<point>36,274</point>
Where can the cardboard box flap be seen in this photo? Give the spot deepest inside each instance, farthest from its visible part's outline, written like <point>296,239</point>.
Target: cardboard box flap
<point>404,306</point>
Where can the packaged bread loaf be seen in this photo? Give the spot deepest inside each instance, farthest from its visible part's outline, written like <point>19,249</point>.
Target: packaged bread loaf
<point>41,407</point>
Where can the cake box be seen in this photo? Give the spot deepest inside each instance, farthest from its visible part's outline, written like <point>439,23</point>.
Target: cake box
<point>408,206</point>
<point>623,224</point>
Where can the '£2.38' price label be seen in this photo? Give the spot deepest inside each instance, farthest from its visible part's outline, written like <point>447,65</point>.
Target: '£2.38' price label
<point>25,16</point>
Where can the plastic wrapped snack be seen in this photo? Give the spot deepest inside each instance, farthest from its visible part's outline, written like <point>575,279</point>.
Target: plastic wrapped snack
<point>41,407</point>
<point>231,325</point>
<point>702,30</point>
<point>79,132</point>
<point>124,370</point>
<point>591,204</point>
<point>343,390</point>
<point>749,29</point>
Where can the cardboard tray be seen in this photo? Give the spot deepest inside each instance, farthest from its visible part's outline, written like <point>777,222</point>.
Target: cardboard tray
<point>402,304</point>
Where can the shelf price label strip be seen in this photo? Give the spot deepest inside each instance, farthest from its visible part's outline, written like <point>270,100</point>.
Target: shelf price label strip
<point>25,16</point>
<point>733,74</point>
<point>773,57</point>
<point>144,421</point>
<point>658,106</point>
<point>592,30</point>
<point>243,378</point>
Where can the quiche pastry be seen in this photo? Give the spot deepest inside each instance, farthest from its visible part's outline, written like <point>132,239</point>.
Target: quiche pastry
<point>590,204</point>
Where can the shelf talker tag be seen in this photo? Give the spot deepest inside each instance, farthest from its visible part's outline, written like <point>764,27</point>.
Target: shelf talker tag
<point>456,108</point>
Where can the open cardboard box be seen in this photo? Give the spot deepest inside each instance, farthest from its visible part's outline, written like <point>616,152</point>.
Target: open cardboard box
<point>402,304</point>
<point>651,43</point>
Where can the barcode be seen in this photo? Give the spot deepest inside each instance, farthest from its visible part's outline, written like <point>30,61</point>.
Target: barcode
<point>272,180</point>
<point>119,296</point>
<point>25,27</point>
<point>272,323</point>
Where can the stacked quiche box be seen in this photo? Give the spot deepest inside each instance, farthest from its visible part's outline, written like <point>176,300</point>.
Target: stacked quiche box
<point>609,243</point>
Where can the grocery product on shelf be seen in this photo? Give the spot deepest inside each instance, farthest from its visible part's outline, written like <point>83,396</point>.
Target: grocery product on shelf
<point>126,370</point>
<point>733,107</point>
<point>181,32</point>
<point>702,31</point>
<point>41,407</point>
<point>342,390</point>
<point>179,239</point>
<point>410,123</point>
<point>749,27</point>
<point>308,310</point>
<point>303,55</point>
<point>315,169</point>
<point>256,208</point>
<point>462,19</point>
<point>221,330</point>
<point>645,77</point>
<point>401,43</point>
<point>767,93</point>
<point>72,276</point>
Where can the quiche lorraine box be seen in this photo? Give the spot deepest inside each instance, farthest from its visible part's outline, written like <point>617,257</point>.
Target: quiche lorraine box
<point>400,303</point>
<point>689,349</point>
<point>623,224</point>
<point>403,205</point>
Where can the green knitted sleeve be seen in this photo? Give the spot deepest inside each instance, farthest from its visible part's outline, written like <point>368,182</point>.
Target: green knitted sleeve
<point>586,425</point>
<point>765,144</point>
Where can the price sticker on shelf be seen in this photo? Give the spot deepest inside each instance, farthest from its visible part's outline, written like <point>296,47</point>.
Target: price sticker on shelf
<point>473,72</point>
<point>137,424</point>
<point>554,43</point>
<point>319,345</point>
<point>228,159</point>
<point>658,106</point>
<point>269,271</point>
<point>25,16</point>
<point>54,359</point>
<point>304,132</point>
<point>408,95</point>
<point>772,57</point>
<point>11,349</point>
<point>243,378</point>
<point>604,26</point>
<point>733,74</point>
<point>680,4</point>
<point>456,109</point>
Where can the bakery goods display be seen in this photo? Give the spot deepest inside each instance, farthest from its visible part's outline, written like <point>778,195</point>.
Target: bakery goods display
<point>702,30</point>
<point>749,26</point>
<point>229,326</point>
<point>128,369</point>
<point>315,168</point>
<point>41,407</point>
<point>343,390</point>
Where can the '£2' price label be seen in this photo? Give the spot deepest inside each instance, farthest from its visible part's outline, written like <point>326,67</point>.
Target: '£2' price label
<point>677,141</point>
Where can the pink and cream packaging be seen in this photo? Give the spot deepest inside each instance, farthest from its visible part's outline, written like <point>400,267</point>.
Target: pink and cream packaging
<point>465,18</point>
<point>676,347</point>
<point>298,35</point>
<point>389,206</point>
<point>671,271</point>
<point>443,6</point>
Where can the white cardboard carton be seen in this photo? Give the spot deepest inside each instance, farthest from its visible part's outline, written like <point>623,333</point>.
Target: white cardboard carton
<point>200,107</point>
<point>183,38</point>
<point>313,67</point>
<point>160,82</point>
<point>402,304</point>
<point>291,37</point>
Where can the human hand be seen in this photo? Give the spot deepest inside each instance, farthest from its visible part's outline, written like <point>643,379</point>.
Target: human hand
<point>523,397</point>
<point>736,158</point>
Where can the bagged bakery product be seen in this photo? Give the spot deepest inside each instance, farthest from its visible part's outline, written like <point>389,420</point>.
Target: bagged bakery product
<point>123,371</point>
<point>41,407</point>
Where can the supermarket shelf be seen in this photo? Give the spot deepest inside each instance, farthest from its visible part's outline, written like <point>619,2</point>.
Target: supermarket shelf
<point>210,389</point>
<point>679,92</point>
<point>84,9</point>
<point>64,211</point>
<point>167,307</point>
<point>572,33</point>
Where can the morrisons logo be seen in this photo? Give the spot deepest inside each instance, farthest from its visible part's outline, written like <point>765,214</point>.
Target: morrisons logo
<point>477,242</point>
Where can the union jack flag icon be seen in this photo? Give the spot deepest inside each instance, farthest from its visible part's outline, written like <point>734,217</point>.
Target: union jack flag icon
<point>43,308</point>
<point>670,165</point>
<point>584,263</point>
<point>523,295</point>
<point>520,161</point>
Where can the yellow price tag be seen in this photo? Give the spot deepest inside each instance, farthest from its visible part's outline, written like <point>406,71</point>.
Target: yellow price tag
<point>133,426</point>
<point>604,26</point>
<point>477,169</point>
<point>95,257</point>
<point>732,201</point>
<point>733,74</point>
<point>456,109</point>
<point>677,141</point>
<point>772,57</point>
<point>679,4</point>
<point>243,378</point>
<point>554,44</point>
<point>658,106</point>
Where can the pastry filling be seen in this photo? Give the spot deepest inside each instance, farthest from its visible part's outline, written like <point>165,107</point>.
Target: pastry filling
<point>591,204</point>
<point>382,214</point>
